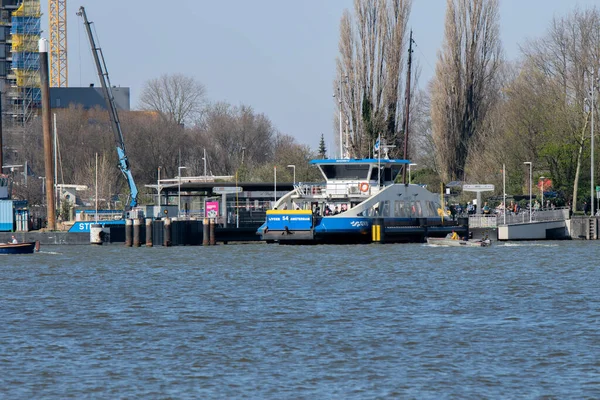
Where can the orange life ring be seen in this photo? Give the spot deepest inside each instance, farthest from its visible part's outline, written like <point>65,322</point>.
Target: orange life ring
<point>363,187</point>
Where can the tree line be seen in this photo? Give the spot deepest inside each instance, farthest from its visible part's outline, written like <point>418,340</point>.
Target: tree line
<point>176,127</point>
<point>480,111</point>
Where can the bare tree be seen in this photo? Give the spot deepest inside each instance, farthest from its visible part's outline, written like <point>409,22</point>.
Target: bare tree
<point>231,136</point>
<point>177,98</point>
<point>370,72</point>
<point>153,143</point>
<point>463,90</point>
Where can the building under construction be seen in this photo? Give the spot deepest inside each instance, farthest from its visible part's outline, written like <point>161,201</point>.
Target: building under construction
<point>20,31</point>
<point>19,60</point>
<point>24,94</point>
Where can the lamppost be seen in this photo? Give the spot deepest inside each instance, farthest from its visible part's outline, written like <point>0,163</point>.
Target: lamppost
<point>339,96</point>
<point>530,195</point>
<point>542,179</point>
<point>592,150</point>
<point>179,190</point>
<point>294,168</point>
<point>158,188</point>
<point>409,165</point>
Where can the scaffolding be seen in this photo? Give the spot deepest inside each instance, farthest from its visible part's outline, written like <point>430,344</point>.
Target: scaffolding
<point>57,25</point>
<point>25,93</point>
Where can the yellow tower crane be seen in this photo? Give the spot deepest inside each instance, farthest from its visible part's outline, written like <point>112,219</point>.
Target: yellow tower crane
<point>57,25</point>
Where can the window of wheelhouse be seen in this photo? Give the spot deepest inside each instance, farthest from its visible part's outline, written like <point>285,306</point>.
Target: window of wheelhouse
<point>346,171</point>
<point>394,171</point>
<point>375,174</point>
<point>387,175</point>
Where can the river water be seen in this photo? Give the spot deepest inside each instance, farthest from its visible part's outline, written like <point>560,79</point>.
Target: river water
<point>256,321</point>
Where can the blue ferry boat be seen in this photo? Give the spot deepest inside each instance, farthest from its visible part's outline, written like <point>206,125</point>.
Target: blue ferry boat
<point>359,202</point>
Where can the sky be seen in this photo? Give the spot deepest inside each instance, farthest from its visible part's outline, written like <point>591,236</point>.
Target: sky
<point>277,56</point>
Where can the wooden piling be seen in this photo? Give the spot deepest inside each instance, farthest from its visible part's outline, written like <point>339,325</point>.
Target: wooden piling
<point>205,232</point>
<point>212,232</point>
<point>47,135</point>
<point>136,232</point>
<point>128,232</point>
<point>149,232</point>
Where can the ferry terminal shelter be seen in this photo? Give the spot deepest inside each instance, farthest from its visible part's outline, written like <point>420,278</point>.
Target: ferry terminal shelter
<point>232,205</point>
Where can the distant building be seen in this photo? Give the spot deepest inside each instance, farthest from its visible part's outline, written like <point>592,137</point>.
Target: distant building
<point>88,97</point>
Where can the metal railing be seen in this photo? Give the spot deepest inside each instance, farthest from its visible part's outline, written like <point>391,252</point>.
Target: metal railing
<point>305,190</point>
<point>492,221</point>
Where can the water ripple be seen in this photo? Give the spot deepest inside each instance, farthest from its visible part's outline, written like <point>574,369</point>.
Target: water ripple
<point>256,321</point>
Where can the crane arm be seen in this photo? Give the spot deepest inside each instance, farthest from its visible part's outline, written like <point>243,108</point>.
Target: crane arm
<point>112,109</point>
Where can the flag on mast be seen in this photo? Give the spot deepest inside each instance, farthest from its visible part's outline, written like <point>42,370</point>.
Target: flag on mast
<point>376,147</point>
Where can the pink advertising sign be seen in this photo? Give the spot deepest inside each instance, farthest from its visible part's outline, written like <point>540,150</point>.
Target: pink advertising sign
<point>212,209</point>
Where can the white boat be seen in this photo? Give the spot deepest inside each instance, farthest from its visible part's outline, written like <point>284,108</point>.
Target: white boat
<point>458,243</point>
<point>357,199</point>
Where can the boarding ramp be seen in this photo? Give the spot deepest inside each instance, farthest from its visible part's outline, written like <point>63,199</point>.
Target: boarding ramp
<point>493,221</point>
<point>543,224</point>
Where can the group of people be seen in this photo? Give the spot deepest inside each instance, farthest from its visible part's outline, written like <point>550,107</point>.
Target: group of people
<point>512,208</point>
<point>328,211</point>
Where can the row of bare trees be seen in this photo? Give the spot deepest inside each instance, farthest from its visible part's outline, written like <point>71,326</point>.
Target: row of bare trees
<point>370,72</point>
<point>235,139</point>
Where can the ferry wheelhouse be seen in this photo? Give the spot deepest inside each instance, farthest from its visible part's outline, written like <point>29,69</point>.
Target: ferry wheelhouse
<point>359,202</point>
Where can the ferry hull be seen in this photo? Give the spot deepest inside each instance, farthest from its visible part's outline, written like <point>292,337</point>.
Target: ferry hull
<point>352,230</point>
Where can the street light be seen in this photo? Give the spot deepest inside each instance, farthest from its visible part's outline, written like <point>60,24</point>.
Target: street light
<point>339,96</point>
<point>530,196</point>
<point>409,179</point>
<point>294,168</point>
<point>592,149</point>
<point>542,179</point>
<point>179,190</point>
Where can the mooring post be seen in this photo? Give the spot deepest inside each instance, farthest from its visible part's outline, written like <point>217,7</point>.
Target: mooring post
<point>149,232</point>
<point>95,234</point>
<point>136,232</point>
<point>128,232</point>
<point>167,232</point>
<point>205,232</point>
<point>212,232</point>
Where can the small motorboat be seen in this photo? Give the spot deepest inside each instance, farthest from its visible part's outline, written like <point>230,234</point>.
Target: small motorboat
<point>19,248</point>
<point>459,242</point>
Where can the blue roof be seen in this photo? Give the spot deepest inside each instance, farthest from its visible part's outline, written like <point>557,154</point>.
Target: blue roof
<point>360,161</point>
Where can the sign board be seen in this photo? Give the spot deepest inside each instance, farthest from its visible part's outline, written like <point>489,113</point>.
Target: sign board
<point>478,188</point>
<point>597,188</point>
<point>212,209</point>
<point>227,189</point>
<point>289,220</point>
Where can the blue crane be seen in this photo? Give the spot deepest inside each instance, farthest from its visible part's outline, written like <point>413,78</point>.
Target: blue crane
<point>112,110</point>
